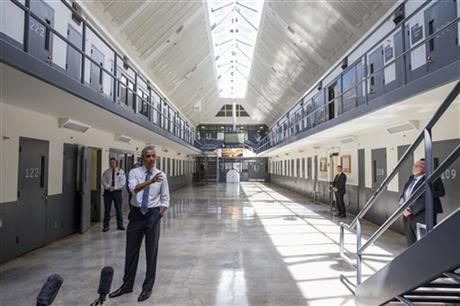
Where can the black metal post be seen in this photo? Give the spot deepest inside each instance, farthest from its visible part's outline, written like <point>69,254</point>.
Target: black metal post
<point>115,77</point>
<point>428,170</point>
<point>83,49</point>
<point>136,109</point>
<point>26,27</point>
<point>404,57</point>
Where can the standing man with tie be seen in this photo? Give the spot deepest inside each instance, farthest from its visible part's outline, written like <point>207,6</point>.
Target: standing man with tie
<point>415,213</point>
<point>149,202</point>
<point>113,180</point>
<point>338,186</point>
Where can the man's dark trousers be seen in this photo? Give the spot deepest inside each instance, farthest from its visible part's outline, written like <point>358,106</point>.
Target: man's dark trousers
<point>410,227</point>
<point>115,196</point>
<point>340,203</point>
<point>140,225</point>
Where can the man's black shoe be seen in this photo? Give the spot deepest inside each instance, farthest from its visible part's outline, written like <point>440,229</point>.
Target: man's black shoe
<point>337,215</point>
<point>144,295</point>
<point>120,291</point>
<point>121,228</point>
<point>105,229</point>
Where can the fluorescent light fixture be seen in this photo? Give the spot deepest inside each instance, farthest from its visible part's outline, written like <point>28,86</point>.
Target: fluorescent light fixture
<point>122,138</point>
<point>348,139</point>
<point>234,26</point>
<point>74,125</point>
<point>403,127</point>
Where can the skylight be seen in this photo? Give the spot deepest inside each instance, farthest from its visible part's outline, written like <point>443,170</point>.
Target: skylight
<point>234,26</point>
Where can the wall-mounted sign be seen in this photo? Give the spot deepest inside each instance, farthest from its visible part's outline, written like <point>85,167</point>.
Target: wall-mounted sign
<point>416,33</point>
<point>388,53</point>
<point>232,153</point>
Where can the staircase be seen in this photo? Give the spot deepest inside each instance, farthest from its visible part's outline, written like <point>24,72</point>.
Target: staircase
<point>429,270</point>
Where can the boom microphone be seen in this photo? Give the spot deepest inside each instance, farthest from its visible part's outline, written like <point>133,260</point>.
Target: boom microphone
<point>105,283</point>
<point>49,290</point>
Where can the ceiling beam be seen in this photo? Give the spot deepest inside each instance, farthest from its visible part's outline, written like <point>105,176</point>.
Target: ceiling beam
<point>315,55</point>
<point>148,57</point>
<point>135,14</point>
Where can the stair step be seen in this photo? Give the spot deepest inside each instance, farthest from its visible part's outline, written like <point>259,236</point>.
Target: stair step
<point>436,292</point>
<point>443,282</point>
<point>433,299</point>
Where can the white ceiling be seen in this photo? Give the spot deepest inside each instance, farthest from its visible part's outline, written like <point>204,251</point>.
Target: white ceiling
<point>297,42</point>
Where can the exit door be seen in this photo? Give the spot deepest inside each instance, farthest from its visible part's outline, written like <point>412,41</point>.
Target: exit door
<point>40,38</point>
<point>32,193</point>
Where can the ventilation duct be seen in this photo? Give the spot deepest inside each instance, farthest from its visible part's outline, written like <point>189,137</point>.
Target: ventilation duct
<point>77,12</point>
<point>403,127</point>
<point>398,14</point>
<point>125,62</point>
<point>73,125</point>
<point>344,64</point>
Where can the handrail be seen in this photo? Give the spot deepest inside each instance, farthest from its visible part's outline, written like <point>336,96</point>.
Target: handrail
<point>414,196</point>
<point>430,124</point>
<point>182,131</point>
<point>339,63</point>
<point>431,176</point>
<point>266,141</point>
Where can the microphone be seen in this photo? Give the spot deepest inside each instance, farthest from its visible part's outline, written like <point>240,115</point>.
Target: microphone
<point>105,283</point>
<point>49,290</point>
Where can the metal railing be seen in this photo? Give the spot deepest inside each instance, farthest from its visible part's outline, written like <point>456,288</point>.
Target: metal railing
<point>208,144</point>
<point>158,113</point>
<point>317,110</point>
<point>431,176</point>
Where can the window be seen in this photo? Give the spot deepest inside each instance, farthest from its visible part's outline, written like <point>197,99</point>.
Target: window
<point>227,111</point>
<point>234,27</point>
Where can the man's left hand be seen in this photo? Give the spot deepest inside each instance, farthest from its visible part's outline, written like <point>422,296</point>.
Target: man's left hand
<point>162,210</point>
<point>407,212</point>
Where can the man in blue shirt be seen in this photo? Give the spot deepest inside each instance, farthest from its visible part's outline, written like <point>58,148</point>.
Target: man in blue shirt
<point>149,202</point>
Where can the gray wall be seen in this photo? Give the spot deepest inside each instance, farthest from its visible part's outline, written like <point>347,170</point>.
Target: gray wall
<point>58,222</point>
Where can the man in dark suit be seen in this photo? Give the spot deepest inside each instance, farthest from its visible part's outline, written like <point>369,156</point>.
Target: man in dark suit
<point>416,212</point>
<point>338,186</point>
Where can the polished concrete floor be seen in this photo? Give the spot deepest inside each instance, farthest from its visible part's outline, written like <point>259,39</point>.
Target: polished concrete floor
<point>246,244</point>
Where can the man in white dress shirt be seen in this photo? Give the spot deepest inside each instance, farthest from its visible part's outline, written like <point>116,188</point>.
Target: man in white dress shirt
<point>113,180</point>
<point>149,202</point>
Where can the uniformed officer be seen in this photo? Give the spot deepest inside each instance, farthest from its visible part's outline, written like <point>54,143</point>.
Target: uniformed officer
<point>113,181</point>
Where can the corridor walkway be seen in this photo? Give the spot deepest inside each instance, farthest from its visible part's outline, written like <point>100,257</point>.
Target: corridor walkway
<point>247,244</point>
